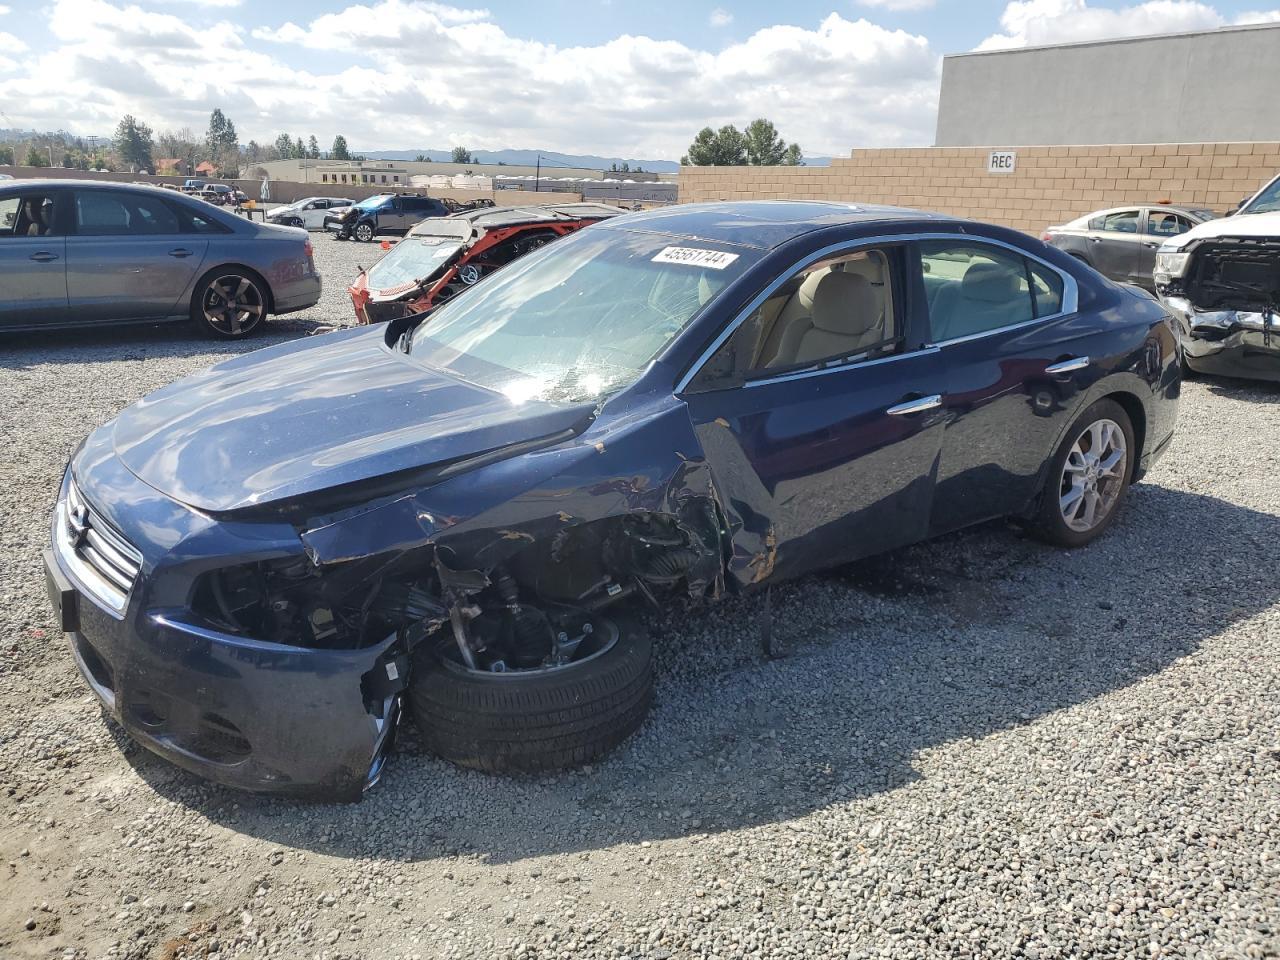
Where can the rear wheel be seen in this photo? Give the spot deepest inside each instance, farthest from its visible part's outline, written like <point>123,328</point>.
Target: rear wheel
<point>364,232</point>
<point>1088,477</point>
<point>229,303</point>
<point>535,720</point>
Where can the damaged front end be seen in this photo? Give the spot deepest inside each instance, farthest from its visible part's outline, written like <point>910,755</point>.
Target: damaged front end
<point>1226,290</point>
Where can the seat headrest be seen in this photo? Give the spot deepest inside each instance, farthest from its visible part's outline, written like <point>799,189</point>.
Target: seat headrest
<point>845,303</point>
<point>991,282</point>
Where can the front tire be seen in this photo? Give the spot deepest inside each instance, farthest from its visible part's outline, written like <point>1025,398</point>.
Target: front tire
<point>544,721</point>
<point>364,232</point>
<point>229,303</point>
<point>1088,477</point>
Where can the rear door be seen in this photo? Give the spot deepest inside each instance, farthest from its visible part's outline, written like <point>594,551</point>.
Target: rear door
<point>128,257</point>
<point>33,264</point>
<point>1114,240</point>
<point>999,319</point>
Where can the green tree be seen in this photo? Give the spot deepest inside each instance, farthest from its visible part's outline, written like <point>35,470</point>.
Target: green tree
<point>284,146</point>
<point>68,161</point>
<point>339,149</point>
<point>422,158</point>
<point>134,143</point>
<point>6,155</point>
<point>726,147</point>
<point>36,157</point>
<point>299,150</point>
<point>221,133</point>
<point>766,149</point>
<point>461,155</point>
<point>313,148</point>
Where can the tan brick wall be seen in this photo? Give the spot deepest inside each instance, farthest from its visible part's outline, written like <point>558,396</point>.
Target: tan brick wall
<point>1050,185</point>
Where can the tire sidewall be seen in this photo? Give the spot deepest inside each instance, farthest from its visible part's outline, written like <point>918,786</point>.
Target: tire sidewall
<point>197,304</point>
<point>363,232</point>
<point>1050,523</point>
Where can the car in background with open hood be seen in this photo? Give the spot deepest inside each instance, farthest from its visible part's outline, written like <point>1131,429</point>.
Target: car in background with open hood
<point>443,256</point>
<point>1222,281</point>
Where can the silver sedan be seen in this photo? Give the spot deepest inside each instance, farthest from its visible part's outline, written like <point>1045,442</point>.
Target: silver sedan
<point>1121,243</point>
<point>76,253</point>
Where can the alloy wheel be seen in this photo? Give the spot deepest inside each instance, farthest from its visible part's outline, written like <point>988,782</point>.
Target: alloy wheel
<point>233,305</point>
<point>364,233</point>
<point>1093,475</point>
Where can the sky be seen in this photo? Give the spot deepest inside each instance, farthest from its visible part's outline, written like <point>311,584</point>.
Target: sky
<point>609,77</point>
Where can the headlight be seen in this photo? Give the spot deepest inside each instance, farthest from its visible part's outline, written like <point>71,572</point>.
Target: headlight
<point>1171,264</point>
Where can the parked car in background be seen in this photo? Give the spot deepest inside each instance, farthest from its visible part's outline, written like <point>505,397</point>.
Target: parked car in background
<point>77,253</point>
<point>383,214</point>
<point>1222,283</point>
<point>308,213</point>
<point>443,256</point>
<point>219,194</point>
<point>192,186</point>
<point>1266,200</point>
<point>1121,243</point>
<point>444,513</point>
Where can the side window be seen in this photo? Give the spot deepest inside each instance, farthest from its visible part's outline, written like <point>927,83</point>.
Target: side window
<point>839,310</point>
<point>1125,221</point>
<point>196,221</point>
<point>1163,224</point>
<point>27,215</point>
<point>9,216</point>
<point>104,214</point>
<point>975,287</point>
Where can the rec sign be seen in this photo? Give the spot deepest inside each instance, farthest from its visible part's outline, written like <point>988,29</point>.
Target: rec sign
<point>1001,161</point>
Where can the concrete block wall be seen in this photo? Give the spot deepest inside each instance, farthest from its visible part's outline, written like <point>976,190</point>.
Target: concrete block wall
<point>1049,185</point>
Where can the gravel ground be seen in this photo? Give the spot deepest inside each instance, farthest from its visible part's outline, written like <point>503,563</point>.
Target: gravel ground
<point>978,747</point>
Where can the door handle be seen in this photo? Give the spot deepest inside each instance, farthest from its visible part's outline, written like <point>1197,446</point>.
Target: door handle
<point>180,253</point>
<point>43,256</point>
<point>918,405</point>
<point>1067,366</point>
<point>1153,246</point>
<point>1095,239</point>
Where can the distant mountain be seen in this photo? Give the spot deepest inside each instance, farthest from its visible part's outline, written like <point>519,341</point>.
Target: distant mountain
<point>550,158</point>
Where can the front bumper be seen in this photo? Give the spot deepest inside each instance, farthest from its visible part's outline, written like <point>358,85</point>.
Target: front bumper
<point>242,712</point>
<point>1242,353</point>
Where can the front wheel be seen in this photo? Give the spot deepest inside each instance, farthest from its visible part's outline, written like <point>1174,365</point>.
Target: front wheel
<point>229,304</point>
<point>1088,477</point>
<point>537,720</point>
<point>364,232</point>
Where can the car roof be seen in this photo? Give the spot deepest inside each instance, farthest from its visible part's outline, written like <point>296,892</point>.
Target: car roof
<point>64,184</point>
<point>763,224</point>
<point>464,224</point>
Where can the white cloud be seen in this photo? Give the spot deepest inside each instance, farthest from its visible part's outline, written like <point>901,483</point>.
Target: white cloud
<point>1033,22</point>
<point>720,17</point>
<point>445,75</point>
<point>898,5</point>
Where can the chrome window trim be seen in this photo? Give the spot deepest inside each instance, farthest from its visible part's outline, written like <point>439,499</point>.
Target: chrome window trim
<point>835,367</point>
<point>1070,301</point>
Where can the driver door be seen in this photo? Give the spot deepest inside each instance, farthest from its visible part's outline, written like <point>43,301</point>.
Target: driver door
<point>821,418</point>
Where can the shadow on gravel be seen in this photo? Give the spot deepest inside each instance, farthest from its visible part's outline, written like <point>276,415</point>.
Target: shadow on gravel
<point>21,351</point>
<point>1253,391</point>
<point>965,637</point>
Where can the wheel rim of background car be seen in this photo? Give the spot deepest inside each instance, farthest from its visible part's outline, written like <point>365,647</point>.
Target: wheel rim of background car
<point>364,232</point>
<point>1093,475</point>
<point>233,304</point>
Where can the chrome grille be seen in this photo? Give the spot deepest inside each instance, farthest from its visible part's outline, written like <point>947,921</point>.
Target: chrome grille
<point>103,561</point>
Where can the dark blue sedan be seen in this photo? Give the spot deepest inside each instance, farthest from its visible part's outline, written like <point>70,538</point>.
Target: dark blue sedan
<point>260,565</point>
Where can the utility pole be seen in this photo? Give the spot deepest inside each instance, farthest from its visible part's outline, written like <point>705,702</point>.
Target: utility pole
<point>537,174</point>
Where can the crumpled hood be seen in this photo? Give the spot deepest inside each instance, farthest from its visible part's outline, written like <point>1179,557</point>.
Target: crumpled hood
<point>1245,225</point>
<point>316,414</point>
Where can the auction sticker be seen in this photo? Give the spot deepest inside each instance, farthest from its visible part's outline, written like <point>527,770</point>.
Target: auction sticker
<point>695,257</point>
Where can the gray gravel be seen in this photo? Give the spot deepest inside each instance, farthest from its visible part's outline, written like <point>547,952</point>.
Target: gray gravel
<point>978,747</point>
